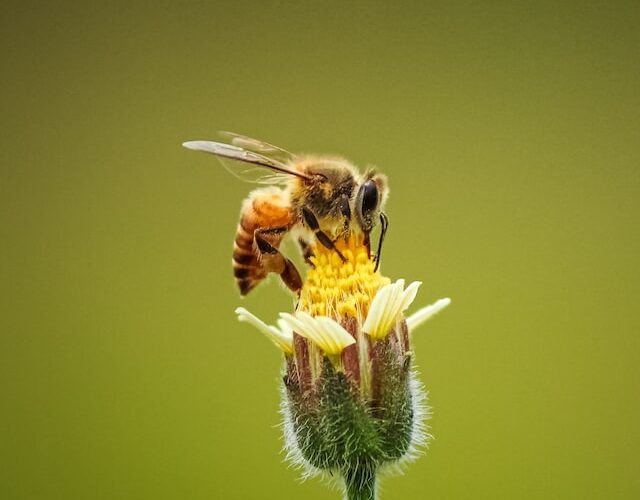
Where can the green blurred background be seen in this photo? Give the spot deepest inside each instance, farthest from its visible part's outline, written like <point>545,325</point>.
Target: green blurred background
<point>510,134</point>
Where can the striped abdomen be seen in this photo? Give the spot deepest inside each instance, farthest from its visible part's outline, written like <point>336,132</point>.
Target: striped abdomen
<point>264,208</point>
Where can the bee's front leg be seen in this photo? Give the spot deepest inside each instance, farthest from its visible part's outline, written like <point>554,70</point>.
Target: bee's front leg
<point>307,253</point>
<point>345,211</point>
<point>312,222</point>
<point>272,259</point>
<point>367,243</point>
<point>384,225</point>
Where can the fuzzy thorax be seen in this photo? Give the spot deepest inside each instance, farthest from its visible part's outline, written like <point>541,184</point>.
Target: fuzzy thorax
<point>338,288</point>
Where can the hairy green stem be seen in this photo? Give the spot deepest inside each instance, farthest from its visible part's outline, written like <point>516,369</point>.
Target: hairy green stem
<point>360,483</point>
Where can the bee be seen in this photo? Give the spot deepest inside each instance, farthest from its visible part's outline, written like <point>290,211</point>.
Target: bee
<point>319,199</point>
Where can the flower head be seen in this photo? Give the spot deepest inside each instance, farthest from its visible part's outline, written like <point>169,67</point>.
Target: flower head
<point>351,404</point>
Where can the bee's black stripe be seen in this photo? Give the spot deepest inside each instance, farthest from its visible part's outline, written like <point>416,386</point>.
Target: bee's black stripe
<point>243,257</point>
<point>242,272</point>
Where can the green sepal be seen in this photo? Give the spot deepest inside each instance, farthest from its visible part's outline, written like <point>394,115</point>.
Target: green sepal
<point>337,429</point>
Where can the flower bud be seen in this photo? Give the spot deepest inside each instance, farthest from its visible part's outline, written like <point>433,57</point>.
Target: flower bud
<point>352,405</point>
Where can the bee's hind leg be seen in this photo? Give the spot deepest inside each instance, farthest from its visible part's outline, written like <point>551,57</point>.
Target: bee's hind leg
<point>272,259</point>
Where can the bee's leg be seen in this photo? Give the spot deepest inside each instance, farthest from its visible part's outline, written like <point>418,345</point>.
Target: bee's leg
<point>384,225</point>
<point>311,221</point>
<point>272,259</point>
<point>367,243</point>
<point>307,253</point>
<point>345,210</point>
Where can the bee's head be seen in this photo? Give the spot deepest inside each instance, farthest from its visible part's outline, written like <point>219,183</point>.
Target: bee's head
<point>370,199</point>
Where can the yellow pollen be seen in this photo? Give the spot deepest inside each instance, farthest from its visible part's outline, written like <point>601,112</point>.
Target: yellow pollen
<point>335,288</point>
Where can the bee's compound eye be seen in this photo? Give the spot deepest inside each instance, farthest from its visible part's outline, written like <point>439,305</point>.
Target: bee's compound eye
<point>367,202</point>
<point>369,196</point>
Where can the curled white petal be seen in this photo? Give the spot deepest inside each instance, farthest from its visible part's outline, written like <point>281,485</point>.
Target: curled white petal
<point>410,294</point>
<point>391,308</point>
<point>426,313</point>
<point>390,301</point>
<point>285,328</point>
<point>376,309</point>
<point>323,331</point>
<point>283,338</point>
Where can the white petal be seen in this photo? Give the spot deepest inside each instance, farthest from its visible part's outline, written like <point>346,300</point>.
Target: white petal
<point>314,332</point>
<point>285,328</point>
<point>323,331</point>
<point>390,301</point>
<point>340,336</point>
<point>426,313</point>
<point>376,309</point>
<point>410,294</point>
<point>392,307</point>
<point>294,323</point>
<point>281,338</point>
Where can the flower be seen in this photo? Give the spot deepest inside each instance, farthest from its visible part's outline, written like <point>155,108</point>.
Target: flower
<point>352,404</point>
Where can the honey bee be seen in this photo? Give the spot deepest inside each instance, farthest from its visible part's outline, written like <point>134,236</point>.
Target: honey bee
<point>319,199</point>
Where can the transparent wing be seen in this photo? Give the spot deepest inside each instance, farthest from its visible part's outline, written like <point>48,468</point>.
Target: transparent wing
<point>247,165</point>
<point>257,146</point>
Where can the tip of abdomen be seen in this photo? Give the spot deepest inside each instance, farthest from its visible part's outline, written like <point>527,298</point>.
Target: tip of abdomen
<point>246,285</point>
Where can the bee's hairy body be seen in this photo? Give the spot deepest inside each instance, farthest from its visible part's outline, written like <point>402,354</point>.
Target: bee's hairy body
<point>323,199</point>
<point>333,179</point>
<point>264,208</point>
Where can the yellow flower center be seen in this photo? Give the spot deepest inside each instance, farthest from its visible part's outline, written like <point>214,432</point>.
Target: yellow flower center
<point>335,288</point>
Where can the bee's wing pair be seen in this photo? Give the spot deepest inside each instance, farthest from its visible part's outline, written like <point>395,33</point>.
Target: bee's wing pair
<point>249,159</point>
